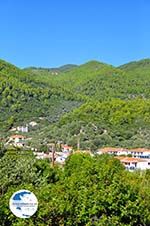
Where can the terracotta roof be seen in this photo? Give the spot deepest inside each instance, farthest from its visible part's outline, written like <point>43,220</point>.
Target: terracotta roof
<point>130,159</point>
<point>107,149</point>
<point>17,136</point>
<point>66,146</point>
<point>112,149</point>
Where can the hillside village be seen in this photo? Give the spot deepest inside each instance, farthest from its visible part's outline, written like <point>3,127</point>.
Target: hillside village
<point>132,159</point>
<point>96,112</point>
<point>81,108</point>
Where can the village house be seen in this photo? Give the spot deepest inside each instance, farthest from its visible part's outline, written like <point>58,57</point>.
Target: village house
<point>131,163</point>
<point>33,124</point>
<point>135,153</point>
<point>139,153</point>
<point>112,151</point>
<point>60,160</point>
<point>59,157</point>
<point>42,155</point>
<point>66,148</point>
<point>17,140</point>
<point>23,129</point>
<point>62,156</point>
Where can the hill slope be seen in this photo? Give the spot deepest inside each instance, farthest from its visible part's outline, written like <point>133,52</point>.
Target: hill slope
<point>95,103</point>
<point>50,71</point>
<point>137,68</point>
<point>23,99</point>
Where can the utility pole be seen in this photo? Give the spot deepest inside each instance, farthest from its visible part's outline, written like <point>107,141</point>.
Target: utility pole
<point>53,156</point>
<point>78,138</point>
<point>78,141</point>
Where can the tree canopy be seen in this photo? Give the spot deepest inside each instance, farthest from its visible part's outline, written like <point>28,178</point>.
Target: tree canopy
<point>87,191</point>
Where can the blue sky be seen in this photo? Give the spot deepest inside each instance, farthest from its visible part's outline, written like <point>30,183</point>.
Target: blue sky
<point>51,33</point>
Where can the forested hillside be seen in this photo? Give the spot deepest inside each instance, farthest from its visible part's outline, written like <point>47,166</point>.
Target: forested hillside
<point>95,103</point>
<point>90,106</point>
<point>22,98</point>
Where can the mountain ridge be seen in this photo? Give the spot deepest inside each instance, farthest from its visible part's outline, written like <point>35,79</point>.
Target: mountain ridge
<point>93,93</point>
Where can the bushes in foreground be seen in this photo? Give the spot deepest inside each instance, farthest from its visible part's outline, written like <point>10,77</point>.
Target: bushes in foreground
<point>87,191</point>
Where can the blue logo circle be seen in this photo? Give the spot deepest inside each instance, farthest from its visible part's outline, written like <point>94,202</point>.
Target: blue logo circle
<point>23,204</point>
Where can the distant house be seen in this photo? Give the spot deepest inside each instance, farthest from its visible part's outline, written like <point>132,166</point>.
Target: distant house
<point>60,160</point>
<point>13,129</point>
<point>136,153</point>
<point>139,152</point>
<point>131,163</point>
<point>17,140</point>
<point>59,157</point>
<point>42,155</point>
<point>33,123</point>
<point>55,73</point>
<point>66,148</point>
<point>23,129</point>
<point>113,151</point>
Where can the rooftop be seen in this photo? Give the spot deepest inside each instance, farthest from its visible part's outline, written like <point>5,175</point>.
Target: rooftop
<point>112,149</point>
<point>130,159</point>
<point>17,136</point>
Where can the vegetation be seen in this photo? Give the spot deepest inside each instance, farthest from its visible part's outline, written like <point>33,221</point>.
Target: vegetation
<point>114,123</point>
<point>88,191</point>
<point>94,105</point>
<point>109,105</point>
<point>50,71</point>
<point>23,99</point>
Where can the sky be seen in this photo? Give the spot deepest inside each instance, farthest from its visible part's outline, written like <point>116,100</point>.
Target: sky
<point>50,33</point>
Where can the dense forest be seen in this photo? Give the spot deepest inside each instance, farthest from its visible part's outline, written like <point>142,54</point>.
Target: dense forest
<point>99,104</point>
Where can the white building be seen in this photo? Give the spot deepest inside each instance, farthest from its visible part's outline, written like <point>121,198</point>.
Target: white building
<point>66,148</point>
<point>135,163</point>
<point>139,153</point>
<point>42,155</point>
<point>60,160</point>
<point>23,129</point>
<point>33,123</point>
<point>136,153</point>
<point>112,151</point>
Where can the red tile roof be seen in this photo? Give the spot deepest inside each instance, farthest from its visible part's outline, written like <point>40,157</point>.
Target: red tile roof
<point>66,146</point>
<point>112,149</point>
<point>130,159</point>
<point>17,136</point>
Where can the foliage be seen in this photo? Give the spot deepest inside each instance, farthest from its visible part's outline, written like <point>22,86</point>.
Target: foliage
<point>87,191</point>
<point>110,105</point>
